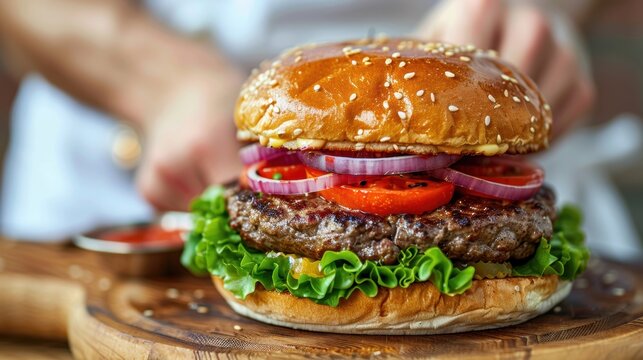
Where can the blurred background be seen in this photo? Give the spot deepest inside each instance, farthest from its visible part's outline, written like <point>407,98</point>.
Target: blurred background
<point>598,166</point>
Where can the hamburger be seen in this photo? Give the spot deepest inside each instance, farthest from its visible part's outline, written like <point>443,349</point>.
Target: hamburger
<point>385,193</point>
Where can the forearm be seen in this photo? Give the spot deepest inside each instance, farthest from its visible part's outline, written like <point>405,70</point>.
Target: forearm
<point>107,53</point>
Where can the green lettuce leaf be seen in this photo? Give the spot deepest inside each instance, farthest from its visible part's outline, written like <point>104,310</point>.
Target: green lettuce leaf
<point>214,248</point>
<point>564,255</point>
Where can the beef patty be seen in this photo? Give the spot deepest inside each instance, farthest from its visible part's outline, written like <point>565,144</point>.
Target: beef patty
<point>468,229</point>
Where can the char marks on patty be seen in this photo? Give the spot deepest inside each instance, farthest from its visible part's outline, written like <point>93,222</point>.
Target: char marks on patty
<point>468,229</point>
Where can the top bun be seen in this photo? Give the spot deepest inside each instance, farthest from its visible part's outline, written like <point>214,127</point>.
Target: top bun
<point>393,95</point>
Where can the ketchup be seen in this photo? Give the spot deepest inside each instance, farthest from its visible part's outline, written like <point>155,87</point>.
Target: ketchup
<point>152,233</point>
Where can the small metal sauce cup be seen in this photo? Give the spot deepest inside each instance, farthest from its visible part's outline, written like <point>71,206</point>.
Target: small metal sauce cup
<point>139,259</point>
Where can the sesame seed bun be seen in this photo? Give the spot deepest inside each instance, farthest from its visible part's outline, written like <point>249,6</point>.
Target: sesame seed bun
<point>394,95</point>
<point>417,310</point>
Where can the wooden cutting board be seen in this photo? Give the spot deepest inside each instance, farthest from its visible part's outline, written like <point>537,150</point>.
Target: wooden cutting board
<point>61,292</point>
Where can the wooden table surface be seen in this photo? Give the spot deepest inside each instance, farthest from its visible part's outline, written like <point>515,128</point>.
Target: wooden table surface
<point>61,292</point>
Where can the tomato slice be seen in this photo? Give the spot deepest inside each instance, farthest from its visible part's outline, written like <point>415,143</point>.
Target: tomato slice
<point>386,195</point>
<point>499,170</point>
<point>283,172</point>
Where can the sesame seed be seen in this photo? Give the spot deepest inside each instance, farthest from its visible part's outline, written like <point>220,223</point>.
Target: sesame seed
<point>398,95</point>
<point>272,82</point>
<point>618,291</point>
<point>432,97</point>
<point>449,74</point>
<point>516,99</point>
<point>377,353</point>
<point>533,119</point>
<point>498,139</point>
<point>353,97</point>
<point>360,146</point>
<point>402,64</point>
<point>298,59</point>
<point>487,120</point>
<point>395,55</point>
<point>276,109</point>
<point>496,106</point>
<point>505,77</point>
<point>453,108</point>
<point>402,115</point>
<point>385,139</point>
<point>448,53</point>
<point>419,93</point>
<point>387,84</point>
<point>385,48</point>
<point>354,62</point>
<point>395,147</point>
<point>547,107</point>
<point>317,87</point>
<point>517,288</point>
<point>388,61</point>
<point>281,132</point>
<point>491,98</point>
<point>172,293</point>
<point>532,130</point>
<point>527,99</point>
<point>409,75</point>
<point>506,93</point>
<point>360,132</point>
<point>366,59</point>
<point>237,327</point>
<point>465,58</point>
<point>385,104</point>
<point>297,132</point>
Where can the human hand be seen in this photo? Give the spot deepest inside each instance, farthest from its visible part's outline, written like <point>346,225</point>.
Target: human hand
<point>190,141</point>
<point>523,33</point>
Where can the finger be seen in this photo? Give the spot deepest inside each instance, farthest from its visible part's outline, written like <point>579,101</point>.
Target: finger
<point>164,189</point>
<point>559,76</point>
<point>474,22</point>
<point>227,166</point>
<point>577,103</point>
<point>526,39</point>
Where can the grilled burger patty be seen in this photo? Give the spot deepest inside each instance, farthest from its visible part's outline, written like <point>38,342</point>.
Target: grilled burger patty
<point>468,229</point>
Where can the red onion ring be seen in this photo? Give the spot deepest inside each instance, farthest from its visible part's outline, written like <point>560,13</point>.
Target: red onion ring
<point>375,166</point>
<point>296,187</point>
<point>490,188</point>
<point>255,152</point>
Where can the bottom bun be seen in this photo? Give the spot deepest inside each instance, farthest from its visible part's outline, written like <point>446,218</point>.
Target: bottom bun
<point>417,310</point>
